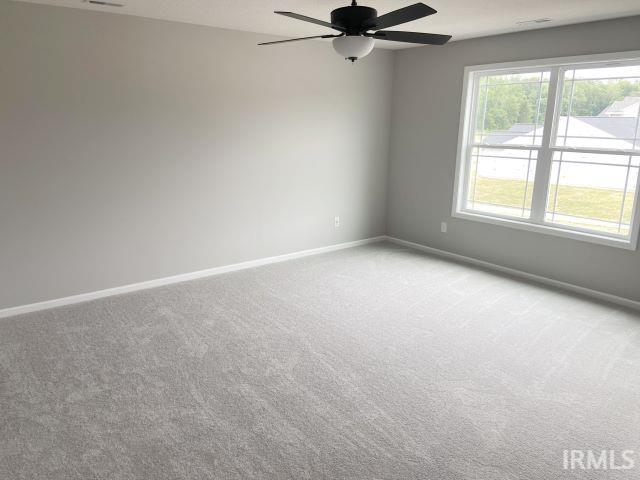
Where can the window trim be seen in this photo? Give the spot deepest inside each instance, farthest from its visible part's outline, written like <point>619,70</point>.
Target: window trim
<point>545,152</point>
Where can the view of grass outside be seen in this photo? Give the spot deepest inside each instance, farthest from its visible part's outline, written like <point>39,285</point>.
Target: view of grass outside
<point>595,203</point>
<point>500,191</point>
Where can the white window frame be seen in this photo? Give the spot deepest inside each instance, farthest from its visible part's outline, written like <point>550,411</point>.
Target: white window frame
<point>537,222</point>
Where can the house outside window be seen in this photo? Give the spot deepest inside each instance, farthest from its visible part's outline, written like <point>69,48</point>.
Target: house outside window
<point>553,146</point>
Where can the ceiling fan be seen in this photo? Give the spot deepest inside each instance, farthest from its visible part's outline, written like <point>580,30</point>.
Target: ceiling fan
<point>359,26</point>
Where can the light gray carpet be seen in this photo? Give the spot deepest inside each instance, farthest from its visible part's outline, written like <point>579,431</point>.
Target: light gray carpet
<point>376,362</point>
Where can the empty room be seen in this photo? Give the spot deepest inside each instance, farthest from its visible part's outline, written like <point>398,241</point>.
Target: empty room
<point>319,239</point>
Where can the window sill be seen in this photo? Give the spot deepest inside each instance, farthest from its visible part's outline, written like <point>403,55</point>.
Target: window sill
<point>624,243</point>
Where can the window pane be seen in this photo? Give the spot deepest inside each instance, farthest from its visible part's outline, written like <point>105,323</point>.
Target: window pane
<point>592,191</point>
<point>600,108</point>
<point>501,181</point>
<point>510,108</point>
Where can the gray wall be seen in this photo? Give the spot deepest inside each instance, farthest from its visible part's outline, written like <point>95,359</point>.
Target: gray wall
<point>133,149</point>
<point>426,113</point>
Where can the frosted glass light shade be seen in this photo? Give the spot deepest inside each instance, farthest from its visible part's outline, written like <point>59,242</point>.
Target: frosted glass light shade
<point>353,47</point>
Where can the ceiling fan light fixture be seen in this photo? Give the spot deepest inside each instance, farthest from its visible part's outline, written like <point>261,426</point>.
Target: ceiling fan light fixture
<point>359,26</point>
<point>353,47</point>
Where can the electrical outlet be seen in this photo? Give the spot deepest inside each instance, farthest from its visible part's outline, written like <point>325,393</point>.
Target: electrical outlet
<point>443,227</point>
<point>336,222</point>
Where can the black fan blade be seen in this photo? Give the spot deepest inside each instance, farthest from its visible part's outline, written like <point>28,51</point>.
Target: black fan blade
<point>298,39</point>
<point>412,37</point>
<point>403,15</point>
<point>304,18</point>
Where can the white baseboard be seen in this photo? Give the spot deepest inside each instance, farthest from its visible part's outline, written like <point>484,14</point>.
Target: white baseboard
<point>607,297</point>
<point>85,297</point>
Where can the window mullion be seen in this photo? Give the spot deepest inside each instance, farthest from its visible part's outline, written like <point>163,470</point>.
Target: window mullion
<point>545,154</point>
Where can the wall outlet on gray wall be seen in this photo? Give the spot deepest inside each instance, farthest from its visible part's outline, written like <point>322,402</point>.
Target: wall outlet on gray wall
<point>443,227</point>
<point>336,222</point>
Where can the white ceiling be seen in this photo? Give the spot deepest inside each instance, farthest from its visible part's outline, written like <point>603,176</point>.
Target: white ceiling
<point>460,18</point>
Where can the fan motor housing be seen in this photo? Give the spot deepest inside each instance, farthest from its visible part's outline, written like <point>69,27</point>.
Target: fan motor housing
<point>353,18</point>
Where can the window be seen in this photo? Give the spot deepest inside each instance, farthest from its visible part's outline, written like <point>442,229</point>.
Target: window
<point>553,146</point>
